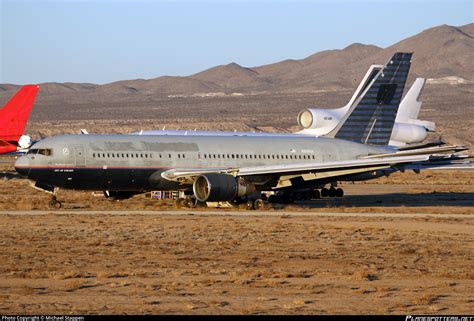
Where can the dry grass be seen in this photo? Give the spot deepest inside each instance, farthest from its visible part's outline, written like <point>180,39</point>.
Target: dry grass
<point>242,264</point>
<point>78,284</point>
<point>365,276</point>
<point>427,299</point>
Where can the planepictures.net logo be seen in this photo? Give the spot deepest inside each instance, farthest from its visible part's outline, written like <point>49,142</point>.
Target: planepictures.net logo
<point>438,318</point>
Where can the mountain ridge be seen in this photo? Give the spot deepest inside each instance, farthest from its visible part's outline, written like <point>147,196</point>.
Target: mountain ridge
<point>439,52</point>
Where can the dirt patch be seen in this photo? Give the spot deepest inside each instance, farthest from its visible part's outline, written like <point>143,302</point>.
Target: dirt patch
<point>57,264</point>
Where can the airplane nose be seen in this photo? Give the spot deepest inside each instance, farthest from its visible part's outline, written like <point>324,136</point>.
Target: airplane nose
<point>22,165</point>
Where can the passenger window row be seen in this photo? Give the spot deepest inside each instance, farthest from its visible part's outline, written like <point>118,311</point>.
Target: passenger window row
<point>204,156</point>
<point>122,155</point>
<point>252,156</point>
<point>169,156</point>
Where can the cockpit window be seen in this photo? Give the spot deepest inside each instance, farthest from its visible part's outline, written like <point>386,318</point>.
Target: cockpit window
<point>45,151</point>
<point>41,151</point>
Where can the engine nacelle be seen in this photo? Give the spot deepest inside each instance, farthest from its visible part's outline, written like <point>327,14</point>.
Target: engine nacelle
<point>408,133</point>
<point>216,187</point>
<point>315,118</point>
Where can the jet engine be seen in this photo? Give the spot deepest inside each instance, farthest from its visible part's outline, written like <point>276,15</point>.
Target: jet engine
<point>408,133</point>
<point>313,118</point>
<point>216,187</point>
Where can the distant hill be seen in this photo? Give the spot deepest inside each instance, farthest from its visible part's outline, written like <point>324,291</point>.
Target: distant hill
<point>442,51</point>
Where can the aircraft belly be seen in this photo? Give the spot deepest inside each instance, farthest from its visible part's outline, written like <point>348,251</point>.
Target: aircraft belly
<point>95,179</point>
<point>128,179</point>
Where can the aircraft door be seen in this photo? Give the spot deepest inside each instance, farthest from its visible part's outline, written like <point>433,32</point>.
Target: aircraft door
<point>80,156</point>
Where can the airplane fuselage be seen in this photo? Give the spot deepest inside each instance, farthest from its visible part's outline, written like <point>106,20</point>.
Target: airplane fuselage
<point>135,162</point>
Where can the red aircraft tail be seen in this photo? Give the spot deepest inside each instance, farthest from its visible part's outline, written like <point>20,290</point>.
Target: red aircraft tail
<point>14,115</point>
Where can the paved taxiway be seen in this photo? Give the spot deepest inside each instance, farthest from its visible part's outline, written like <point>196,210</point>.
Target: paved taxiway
<point>224,212</point>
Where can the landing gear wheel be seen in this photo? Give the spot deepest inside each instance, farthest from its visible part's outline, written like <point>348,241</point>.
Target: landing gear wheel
<point>316,194</point>
<point>258,204</point>
<point>272,199</point>
<point>180,202</point>
<point>189,202</point>
<point>249,205</point>
<point>324,192</point>
<point>55,204</point>
<point>339,192</point>
<point>332,192</point>
<point>199,204</point>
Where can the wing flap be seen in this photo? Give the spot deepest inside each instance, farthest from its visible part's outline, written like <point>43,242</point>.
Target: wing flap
<point>329,166</point>
<point>315,169</point>
<point>435,150</point>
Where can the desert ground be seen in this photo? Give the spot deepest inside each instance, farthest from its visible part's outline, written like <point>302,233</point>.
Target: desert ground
<point>397,245</point>
<point>217,264</point>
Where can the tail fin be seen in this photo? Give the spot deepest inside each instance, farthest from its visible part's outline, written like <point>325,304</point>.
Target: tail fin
<point>371,118</point>
<point>14,115</point>
<point>410,106</point>
<point>369,76</point>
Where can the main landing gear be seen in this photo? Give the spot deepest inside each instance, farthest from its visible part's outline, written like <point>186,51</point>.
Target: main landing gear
<point>189,202</point>
<point>289,197</point>
<point>256,204</point>
<point>332,192</point>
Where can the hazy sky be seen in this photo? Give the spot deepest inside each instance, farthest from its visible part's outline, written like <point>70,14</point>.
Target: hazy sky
<point>104,41</point>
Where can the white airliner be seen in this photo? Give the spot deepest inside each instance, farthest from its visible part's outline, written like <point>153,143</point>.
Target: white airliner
<point>408,129</point>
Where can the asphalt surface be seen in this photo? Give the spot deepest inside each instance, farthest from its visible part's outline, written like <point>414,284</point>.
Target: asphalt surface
<point>223,212</point>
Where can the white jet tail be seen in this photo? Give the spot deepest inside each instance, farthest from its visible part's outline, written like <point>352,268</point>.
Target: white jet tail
<point>411,105</point>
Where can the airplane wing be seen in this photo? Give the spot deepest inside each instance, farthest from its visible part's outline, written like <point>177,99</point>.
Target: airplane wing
<point>308,171</point>
<point>430,150</point>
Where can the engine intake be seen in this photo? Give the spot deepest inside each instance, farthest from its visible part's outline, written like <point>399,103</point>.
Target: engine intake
<point>216,187</point>
<point>318,118</point>
<point>305,118</point>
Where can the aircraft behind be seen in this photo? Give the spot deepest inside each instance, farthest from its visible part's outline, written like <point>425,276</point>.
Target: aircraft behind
<point>408,129</point>
<point>13,118</point>
<point>320,122</point>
